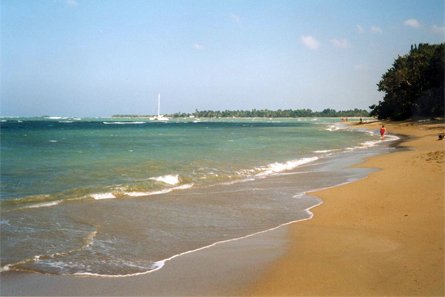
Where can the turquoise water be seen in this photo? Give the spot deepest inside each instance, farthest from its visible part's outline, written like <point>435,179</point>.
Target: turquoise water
<point>67,159</point>
<point>107,197</point>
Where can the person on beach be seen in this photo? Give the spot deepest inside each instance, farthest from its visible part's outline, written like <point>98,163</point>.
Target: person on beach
<point>382,132</point>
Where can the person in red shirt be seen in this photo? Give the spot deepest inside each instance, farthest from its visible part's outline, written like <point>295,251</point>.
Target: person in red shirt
<point>382,132</point>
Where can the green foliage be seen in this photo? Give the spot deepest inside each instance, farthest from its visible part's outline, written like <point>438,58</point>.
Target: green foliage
<point>266,113</point>
<point>414,85</point>
<point>263,113</point>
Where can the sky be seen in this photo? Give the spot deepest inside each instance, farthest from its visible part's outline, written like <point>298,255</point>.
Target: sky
<point>99,58</point>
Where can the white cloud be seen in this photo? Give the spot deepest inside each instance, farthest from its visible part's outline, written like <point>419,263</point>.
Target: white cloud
<point>437,29</point>
<point>412,23</point>
<point>375,29</point>
<point>360,29</point>
<point>340,43</point>
<point>235,18</point>
<point>71,2</point>
<point>198,46</point>
<point>310,42</point>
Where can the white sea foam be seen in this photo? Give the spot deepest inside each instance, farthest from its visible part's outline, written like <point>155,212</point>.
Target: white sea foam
<point>368,144</point>
<point>183,187</point>
<point>88,241</point>
<point>325,151</point>
<point>372,143</point>
<point>124,123</point>
<point>289,165</point>
<point>141,194</point>
<point>391,137</point>
<point>336,127</point>
<point>101,196</point>
<point>167,179</point>
<point>299,195</point>
<point>164,191</point>
<point>44,204</point>
<point>332,128</point>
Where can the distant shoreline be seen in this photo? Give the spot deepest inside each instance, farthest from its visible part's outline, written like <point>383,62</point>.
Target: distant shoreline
<point>263,113</point>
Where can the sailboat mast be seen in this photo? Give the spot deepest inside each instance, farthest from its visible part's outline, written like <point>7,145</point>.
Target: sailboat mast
<point>159,104</point>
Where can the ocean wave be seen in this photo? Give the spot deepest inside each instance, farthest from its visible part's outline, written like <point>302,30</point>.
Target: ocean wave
<point>142,194</point>
<point>373,143</point>
<point>336,127</point>
<point>168,179</point>
<point>326,151</point>
<point>289,165</point>
<point>202,176</point>
<point>55,118</point>
<point>299,195</point>
<point>123,193</point>
<point>124,123</point>
<point>101,196</point>
<point>88,240</point>
<point>44,204</point>
<point>164,191</point>
<point>370,143</point>
<point>169,183</point>
<point>34,201</point>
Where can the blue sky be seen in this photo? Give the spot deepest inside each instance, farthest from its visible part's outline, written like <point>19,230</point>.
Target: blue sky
<point>98,58</point>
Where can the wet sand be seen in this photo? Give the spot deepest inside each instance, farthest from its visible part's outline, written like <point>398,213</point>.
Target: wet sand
<point>223,269</point>
<point>380,236</point>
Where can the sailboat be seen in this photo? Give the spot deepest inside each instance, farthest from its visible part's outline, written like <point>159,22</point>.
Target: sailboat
<point>159,117</point>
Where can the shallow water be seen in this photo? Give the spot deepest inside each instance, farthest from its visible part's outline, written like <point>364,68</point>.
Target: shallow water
<point>117,198</point>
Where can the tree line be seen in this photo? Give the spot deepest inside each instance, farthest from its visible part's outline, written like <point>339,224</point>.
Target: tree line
<point>414,85</point>
<point>280,113</point>
<point>262,113</point>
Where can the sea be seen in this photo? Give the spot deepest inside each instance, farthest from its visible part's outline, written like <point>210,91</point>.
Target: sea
<point>117,197</point>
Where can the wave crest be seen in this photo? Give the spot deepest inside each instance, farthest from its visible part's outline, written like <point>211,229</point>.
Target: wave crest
<point>168,179</point>
<point>289,165</point>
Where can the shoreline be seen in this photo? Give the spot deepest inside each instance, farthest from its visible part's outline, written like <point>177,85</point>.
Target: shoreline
<point>224,269</point>
<point>381,235</point>
<point>259,187</point>
<point>220,268</point>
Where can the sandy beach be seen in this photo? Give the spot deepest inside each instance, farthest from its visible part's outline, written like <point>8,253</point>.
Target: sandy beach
<point>380,236</point>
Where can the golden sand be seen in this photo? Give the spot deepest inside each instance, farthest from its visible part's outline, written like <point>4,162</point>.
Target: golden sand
<point>380,236</point>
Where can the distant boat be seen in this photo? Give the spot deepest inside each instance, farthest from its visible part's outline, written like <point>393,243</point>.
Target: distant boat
<point>159,117</point>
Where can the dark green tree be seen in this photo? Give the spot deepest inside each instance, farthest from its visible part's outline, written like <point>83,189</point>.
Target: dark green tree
<point>414,85</point>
